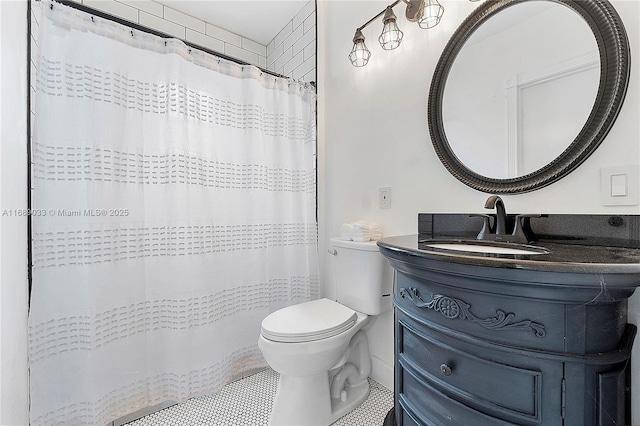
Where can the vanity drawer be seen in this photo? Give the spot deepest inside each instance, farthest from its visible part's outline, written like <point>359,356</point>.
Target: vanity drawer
<point>423,405</point>
<point>497,318</point>
<point>407,414</point>
<point>488,382</point>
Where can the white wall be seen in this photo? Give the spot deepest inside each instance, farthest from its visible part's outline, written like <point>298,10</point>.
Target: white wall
<point>14,400</point>
<point>373,133</point>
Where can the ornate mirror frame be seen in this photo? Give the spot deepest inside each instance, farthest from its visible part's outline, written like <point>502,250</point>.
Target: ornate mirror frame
<point>613,46</point>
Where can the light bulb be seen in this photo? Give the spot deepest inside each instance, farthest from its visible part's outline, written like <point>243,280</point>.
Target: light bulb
<point>359,55</point>
<point>391,35</point>
<point>431,14</point>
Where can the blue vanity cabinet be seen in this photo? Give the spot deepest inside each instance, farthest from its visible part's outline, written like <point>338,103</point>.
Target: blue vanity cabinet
<point>477,344</point>
<point>447,374</point>
<point>442,380</point>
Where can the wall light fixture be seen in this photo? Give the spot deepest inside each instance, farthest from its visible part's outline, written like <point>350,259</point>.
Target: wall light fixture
<point>427,13</point>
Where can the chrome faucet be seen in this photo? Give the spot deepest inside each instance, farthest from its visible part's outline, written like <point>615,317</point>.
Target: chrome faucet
<point>501,214</point>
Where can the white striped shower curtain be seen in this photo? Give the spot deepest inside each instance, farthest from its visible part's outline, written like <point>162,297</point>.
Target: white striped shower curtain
<point>174,207</point>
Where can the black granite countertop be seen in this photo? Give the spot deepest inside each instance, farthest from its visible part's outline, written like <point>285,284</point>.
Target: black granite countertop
<point>578,256</point>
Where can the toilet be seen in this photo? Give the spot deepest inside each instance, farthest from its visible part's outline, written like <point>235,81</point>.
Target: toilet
<point>320,347</point>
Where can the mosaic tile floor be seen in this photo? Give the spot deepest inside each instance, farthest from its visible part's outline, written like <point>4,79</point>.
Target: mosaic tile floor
<point>247,402</point>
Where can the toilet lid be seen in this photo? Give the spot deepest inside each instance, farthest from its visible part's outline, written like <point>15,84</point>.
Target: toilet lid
<point>304,322</point>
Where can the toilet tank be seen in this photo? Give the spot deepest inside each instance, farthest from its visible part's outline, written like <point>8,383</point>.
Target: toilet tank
<point>363,276</point>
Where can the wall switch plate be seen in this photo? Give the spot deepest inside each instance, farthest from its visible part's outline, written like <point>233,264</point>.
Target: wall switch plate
<point>385,197</point>
<point>620,186</point>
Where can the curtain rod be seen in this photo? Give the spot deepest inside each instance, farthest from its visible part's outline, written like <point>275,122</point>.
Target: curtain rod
<point>142,28</point>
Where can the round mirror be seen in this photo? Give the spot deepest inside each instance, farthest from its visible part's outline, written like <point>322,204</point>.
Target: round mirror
<point>526,90</point>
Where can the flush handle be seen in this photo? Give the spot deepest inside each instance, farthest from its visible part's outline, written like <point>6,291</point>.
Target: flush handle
<point>446,370</point>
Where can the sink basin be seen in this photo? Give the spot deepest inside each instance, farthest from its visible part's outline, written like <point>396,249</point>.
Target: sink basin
<point>484,247</point>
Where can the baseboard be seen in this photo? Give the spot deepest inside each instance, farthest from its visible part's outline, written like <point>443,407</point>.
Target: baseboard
<point>382,372</point>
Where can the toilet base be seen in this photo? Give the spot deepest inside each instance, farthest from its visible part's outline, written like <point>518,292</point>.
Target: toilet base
<point>356,395</point>
<point>306,401</point>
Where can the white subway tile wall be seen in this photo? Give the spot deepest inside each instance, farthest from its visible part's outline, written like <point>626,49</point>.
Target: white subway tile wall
<point>146,6</point>
<point>293,51</point>
<point>185,20</point>
<point>114,8</point>
<point>36,16</point>
<point>170,21</point>
<point>160,24</point>
<point>205,41</point>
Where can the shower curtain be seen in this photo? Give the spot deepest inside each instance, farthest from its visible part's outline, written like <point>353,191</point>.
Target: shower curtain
<point>174,208</point>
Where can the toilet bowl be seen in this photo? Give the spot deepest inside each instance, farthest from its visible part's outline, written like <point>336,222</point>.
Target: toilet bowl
<point>320,347</point>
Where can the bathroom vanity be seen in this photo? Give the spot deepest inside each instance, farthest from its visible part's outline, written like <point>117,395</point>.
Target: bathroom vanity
<point>487,338</point>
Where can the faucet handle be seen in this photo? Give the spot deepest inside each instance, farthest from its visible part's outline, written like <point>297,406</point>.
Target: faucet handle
<point>522,230</point>
<point>486,226</point>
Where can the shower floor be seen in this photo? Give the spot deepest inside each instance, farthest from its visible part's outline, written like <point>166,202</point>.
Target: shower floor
<point>247,402</point>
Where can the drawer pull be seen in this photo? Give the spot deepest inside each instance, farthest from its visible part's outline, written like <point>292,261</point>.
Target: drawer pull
<point>446,370</point>
<point>451,307</point>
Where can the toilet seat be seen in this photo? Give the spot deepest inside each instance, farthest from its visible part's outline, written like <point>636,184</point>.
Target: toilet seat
<point>305,322</point>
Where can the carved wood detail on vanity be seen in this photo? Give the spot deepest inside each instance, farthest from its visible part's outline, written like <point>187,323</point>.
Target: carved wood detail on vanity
<point>451,307</point>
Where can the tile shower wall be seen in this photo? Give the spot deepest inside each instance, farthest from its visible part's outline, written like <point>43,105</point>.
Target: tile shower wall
<point>293,51</point>
<point>169,21</point>
<point>36,13</point>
